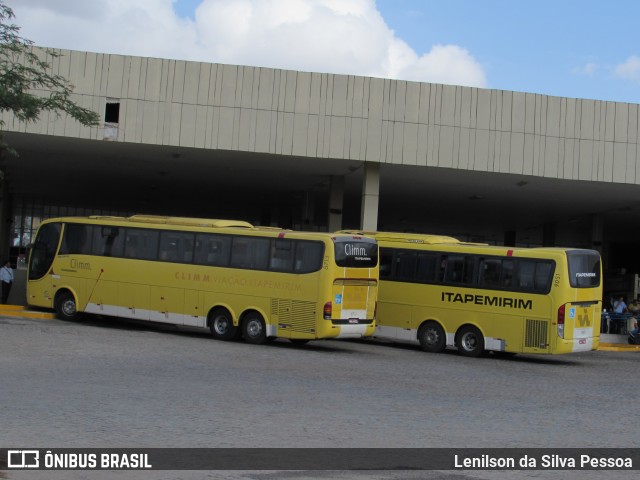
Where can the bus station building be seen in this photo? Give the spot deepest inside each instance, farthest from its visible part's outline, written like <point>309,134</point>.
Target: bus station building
<point>316,151</point>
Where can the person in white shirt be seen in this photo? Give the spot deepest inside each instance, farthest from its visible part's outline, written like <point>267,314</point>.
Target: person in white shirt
<point>6,279</point>
<point>620,306</point>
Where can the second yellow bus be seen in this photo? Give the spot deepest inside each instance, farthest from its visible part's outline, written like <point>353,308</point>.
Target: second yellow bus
<point>439,292</point>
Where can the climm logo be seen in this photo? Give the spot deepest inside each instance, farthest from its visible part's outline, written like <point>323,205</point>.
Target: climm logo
<point>353,250</point>
<point>504,302</point>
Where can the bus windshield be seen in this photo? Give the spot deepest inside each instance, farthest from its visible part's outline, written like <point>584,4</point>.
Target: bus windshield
<point>43,251</point>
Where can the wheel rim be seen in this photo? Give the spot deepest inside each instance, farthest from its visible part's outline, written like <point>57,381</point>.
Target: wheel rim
<point>69,307</point>
<point>431,336</point>
<point>254,328</point>
<point>469,341</point>
<point>221,324</point>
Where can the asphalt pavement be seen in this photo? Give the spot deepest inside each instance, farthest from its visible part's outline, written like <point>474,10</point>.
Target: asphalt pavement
<point>111,383</point>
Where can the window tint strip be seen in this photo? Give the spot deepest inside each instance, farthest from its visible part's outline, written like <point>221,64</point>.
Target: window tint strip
<point>173,246</point>
<point>467,270</point>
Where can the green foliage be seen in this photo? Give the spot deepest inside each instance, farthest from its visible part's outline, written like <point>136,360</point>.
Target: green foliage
<point>27,86</point>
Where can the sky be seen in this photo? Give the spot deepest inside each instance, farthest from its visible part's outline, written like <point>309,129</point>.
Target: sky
<point>569,48</point>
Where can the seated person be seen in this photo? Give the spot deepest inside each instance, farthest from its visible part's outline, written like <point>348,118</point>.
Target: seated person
<point>634,332</point>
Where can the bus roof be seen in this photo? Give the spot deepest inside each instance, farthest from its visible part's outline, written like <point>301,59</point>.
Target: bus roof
<point>453,244</point>
<point>423,238</point>
<point>183,221</point>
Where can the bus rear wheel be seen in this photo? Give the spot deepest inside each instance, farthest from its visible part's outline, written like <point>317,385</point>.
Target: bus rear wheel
<point>66,308</point>
<point>432,337</point>
<point>254,329</point>
<point>221,325</point>
<point>470,341</point>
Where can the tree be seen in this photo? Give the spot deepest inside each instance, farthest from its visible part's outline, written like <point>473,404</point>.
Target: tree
<point>23,72</point>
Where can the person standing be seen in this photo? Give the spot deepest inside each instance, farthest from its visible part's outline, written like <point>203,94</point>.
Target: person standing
<point>620,306</point>
<point>6,278</point>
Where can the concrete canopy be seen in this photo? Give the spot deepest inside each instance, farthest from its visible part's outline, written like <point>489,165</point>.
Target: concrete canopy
<point>212,183</point>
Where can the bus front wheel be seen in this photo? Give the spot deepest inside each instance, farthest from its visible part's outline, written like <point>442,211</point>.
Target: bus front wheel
<point>66,307</point>
<point>254,329</point>
<point>432,337</point>
<point>470,341</point>
<point>221,325</point>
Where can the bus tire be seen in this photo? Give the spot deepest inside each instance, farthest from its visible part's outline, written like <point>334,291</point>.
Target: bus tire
<point>254,330</point>
<point>66,306</point>
<point>221,325</point>
<point>470,341</point>
<point>432,337</point>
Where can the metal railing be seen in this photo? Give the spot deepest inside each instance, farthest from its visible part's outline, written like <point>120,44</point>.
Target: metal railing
<point>617,323</point>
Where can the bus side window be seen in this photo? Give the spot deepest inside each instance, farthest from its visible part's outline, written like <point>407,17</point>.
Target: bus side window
<point>176,246</point>
<point>443,267</point>
<point>250,252</point>
<point>526,272</point>
<point>386,262</point>
<point>427,267</point>
<point>282,254</point>
<point>406,264</point>
<point>490,272</point>
<point>506,275</point>
<point>108,241</point>
<point>308,256</point>
<point>141,244</point>
<point>543,276</point>
<point>213,250</point>
<point>77,239</point>
<point>455,270</point>
<point>260,249</point>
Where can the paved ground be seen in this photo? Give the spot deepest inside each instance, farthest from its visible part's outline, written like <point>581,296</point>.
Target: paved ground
<point>121,384</point>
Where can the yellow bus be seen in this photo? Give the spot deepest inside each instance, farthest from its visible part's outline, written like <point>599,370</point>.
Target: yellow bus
<point>228,276</point>
<point>438,292</point>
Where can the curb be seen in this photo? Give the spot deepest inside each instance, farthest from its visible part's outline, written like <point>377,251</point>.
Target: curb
<point>22,312</point>
<point>618,347</point>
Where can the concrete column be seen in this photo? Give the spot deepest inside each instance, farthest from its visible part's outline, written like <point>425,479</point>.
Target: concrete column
<point>370,197</point>
<point>336,201</point>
